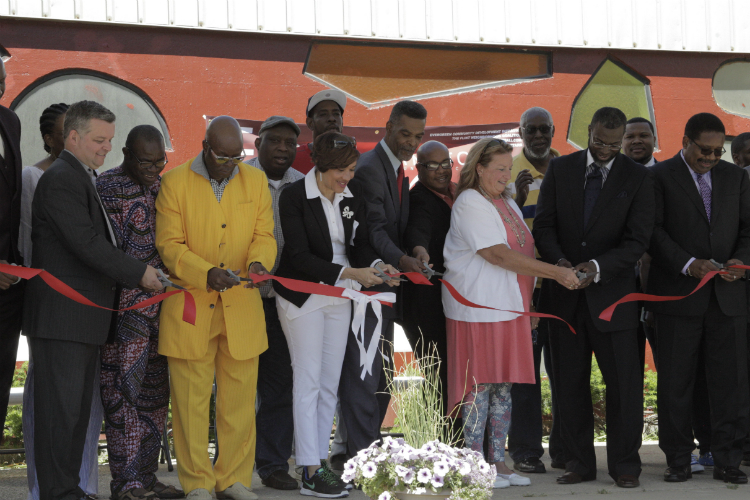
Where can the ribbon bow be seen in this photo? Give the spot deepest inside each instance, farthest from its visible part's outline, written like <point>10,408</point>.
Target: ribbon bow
<point>367,353</point>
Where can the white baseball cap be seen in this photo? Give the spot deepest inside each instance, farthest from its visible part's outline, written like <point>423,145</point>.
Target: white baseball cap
<point>327,95</point>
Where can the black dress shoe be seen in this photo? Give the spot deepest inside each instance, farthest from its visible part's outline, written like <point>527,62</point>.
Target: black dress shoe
<point>336,463</point>
<point>280,480</point>
<point>730,475</point>
<point>677,474</point>
<point>569,478</point>
<point>628,481</point>
<point>531,465</point>
<point>746,460</point>
<point>558,464</point>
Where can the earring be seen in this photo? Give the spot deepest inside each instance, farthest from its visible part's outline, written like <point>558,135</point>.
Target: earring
<point>320,176</point>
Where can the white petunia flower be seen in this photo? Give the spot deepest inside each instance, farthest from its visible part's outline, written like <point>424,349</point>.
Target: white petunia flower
<point>424,476</point>
<point>441,468</point>
<point>437,481</point>
<point>369,470</point>
<point>384,496</point>
<point>409,477</point>
<point>464,468</point>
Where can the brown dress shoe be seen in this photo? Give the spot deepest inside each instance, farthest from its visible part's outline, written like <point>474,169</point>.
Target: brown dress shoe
<point>628,481</point>
<point>569,478</point>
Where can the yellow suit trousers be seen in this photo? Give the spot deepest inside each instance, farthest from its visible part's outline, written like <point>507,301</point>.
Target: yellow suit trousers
<point>191,381</point>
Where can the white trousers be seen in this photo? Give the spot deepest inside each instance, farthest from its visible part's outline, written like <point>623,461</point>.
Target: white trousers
<point>317,343</point>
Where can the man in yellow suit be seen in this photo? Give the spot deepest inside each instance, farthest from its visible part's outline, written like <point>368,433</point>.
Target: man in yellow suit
<point>214,214</point>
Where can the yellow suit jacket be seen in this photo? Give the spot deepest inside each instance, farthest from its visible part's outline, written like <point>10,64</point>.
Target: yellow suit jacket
<point>195,233</point>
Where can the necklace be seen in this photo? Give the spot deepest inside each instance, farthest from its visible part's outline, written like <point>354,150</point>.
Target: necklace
<point>515,224</point>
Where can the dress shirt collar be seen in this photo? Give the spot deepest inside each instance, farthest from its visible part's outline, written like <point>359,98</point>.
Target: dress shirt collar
<point>448,199</point>
<point>395,162</point>
<point>650,163</point>
<point>312,191</point>
<point>524,163</point>
<point>199,167</point>
<point>291,175</point>
<point>590,160</point>
<point>694,175</point>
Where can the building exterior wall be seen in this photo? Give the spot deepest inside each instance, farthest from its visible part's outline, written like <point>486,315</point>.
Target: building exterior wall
<point>191,73</point>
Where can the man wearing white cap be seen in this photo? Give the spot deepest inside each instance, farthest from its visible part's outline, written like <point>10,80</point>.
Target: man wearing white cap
<point>325,111</point>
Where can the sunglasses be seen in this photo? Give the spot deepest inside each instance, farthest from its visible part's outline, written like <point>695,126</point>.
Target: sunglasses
<point>221,160</point>
<point>145,165</point>
<point>433,165</point>
<point>718,152</point>
<point>532,130</point>
<point>341,143</point>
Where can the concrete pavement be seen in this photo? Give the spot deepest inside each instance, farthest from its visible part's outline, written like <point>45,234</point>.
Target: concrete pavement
<point>702,486</point>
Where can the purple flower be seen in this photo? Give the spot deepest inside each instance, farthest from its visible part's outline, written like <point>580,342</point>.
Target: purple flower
<point>350,465</point>
<point>384,496</point>
<point>484,467</point>
<point>464,468</point>
<point>370,469</point>
<point>437,481</point>
<point>441,468</point>
<point>409,477</point>
<point>348,476</point>
<point>424,476</point>
<point>429,448</point>
<point>401,470</point>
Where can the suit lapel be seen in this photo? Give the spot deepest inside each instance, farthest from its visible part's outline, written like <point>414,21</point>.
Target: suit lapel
<point>5,137</point>
<point>615,180</point>
<point>684,179</point>
<point>347,218</point>
<point>390,175</point>
<point>316,207</point>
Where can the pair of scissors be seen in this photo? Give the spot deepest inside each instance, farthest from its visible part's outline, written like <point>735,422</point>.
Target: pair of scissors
<point>429,272</point>
<point>164,280</point>
<point>382,275</point>
<point>582,276</point>
<point>720,266</point>
<point>237,278</point>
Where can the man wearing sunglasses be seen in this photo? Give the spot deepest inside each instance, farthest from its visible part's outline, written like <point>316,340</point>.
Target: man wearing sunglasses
<point>525,435</point>
<point>214,214</point>
<point>702,219</point>
<point>134,381</point>
<point>596,210</point>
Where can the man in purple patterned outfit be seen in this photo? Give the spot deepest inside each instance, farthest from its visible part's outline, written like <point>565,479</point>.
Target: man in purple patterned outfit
<point>134,377</point>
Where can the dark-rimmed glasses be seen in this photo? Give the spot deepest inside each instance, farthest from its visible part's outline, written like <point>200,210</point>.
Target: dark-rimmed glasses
<point>433,165</point>
<point>145,165</point>
<point>221,160</point>
<point>342,143</point>
<point>532,130</point>
<point>718,152</point>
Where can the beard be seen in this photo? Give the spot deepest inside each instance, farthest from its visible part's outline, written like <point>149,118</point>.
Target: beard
<point>542,155</point>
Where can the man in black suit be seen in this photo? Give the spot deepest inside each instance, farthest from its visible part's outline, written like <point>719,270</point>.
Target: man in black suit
<point>702,218</point>
<point>380,174</point>
<point>11,288</point>
<point>596,208</point>
<point>430,203</point>
<point>73,240</point>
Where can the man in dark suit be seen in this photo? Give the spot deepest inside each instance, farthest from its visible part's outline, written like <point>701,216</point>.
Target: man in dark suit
<point>11,289</point>
<point>430,203</point>
<point>702,218</point>
<point>380,174</point>
<point>73,240</point>
<point>596,208</point>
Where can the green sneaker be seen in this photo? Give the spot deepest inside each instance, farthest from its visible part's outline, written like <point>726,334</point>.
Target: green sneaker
<point>323,484</point>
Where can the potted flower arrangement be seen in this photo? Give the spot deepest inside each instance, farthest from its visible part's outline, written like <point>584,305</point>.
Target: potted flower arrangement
<point>395,469</point>
<point>423,462</point>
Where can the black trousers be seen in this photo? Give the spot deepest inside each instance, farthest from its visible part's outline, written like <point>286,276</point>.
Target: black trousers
<point>525,434</point>
<point>722,341</point>
<point>11,312</point>
<point>618,358</point>
<point>274,420</point>
<point>364,403</point>
<point>63,388</point>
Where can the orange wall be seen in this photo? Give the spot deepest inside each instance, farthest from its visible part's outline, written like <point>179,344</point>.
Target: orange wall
<point>189,73</point>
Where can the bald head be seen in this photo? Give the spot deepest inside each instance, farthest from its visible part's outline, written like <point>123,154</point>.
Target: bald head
<point>434,154</point>
<point>430,150</point>
<point>223,141</point>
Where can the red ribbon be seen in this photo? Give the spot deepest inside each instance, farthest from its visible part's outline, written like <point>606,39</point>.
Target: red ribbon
<point>606,314</point>
<point>308,286</point>
<point>188,310</point>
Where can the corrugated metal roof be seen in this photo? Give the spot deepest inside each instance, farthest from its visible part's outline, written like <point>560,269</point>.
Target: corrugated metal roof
<point>672,25</point>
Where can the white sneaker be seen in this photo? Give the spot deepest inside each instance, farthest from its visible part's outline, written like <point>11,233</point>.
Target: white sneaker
<point>237,491</point>
<point>515,480</point>
<point>500,482</point>
<point>200,494</point>
<point>695,466</point>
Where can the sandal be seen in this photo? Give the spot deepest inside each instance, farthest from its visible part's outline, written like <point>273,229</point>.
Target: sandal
<point>134,494</point>
<point>167,491</point>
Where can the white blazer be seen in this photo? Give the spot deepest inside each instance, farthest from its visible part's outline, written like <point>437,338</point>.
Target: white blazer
<point>475,224</point>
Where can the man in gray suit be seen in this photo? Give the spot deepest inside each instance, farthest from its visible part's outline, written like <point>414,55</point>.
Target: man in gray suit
<point>73,240</point>
<point>364,401</point>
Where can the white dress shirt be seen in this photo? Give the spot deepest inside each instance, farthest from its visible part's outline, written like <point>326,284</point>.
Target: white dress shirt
<point>694,176</point>
<point>605,173</point>
<point>395,162</point>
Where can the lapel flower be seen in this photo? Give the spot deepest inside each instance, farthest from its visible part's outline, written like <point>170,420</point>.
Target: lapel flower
<point>347,213</point>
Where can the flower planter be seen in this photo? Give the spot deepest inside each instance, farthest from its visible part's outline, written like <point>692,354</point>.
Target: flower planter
<point>421,496</point>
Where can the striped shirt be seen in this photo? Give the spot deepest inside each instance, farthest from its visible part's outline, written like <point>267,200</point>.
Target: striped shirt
<point>276,187</point>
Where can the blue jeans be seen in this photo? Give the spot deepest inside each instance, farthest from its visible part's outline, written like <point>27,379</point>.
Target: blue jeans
<point>274,421</point>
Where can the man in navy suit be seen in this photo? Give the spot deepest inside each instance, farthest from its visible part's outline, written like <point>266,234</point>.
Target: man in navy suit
<point>596,208</point>
<point>702,219</point>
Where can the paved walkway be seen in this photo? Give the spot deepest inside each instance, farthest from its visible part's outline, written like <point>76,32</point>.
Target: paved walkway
<point>702,486</point>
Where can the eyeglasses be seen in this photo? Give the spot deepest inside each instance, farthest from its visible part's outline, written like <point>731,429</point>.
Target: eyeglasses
<point>145,165</point>
<point>718,152</point>
<point>340,143</point>
<point>221,160</point>
<point>433,165</point>
<point>532,130</point>
<point>613,147</point>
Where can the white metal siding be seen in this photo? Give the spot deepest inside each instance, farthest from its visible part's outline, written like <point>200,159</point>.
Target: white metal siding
<point>673,25</point>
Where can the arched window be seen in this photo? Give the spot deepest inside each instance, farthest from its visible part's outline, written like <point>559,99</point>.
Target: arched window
<point>130,105</point>
<point>731,87</point>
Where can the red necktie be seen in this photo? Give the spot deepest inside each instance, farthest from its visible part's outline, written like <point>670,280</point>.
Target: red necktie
<point>400,180</point>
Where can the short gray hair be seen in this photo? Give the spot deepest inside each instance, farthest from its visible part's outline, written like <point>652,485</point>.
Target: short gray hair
<point>536,109</point>
<point>79,115</point>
